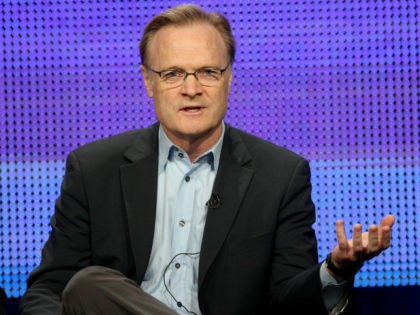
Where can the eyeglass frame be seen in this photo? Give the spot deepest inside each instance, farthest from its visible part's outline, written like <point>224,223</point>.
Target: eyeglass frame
<point>186,74</point>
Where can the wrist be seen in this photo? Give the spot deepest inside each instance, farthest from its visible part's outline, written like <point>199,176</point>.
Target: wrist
<point>339,273</point>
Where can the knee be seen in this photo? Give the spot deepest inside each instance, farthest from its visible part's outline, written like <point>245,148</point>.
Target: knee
<point>84,281</point>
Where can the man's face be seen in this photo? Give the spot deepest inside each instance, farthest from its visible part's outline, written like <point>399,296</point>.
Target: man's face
<point>190,111</point>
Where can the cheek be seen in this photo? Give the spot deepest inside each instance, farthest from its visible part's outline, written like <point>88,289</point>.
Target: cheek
<point>160,111</point>
<point>163,106</point>
<point>223,98</point>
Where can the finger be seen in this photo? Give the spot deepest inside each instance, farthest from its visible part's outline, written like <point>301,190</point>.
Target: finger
<point>357,240</point>
<point>373,239</point>
<point>389,220</point>
<point>386,237</point>
<point>341,235</point>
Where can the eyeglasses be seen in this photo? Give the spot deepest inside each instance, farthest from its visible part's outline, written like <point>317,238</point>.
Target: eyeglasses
<point>205,76</point>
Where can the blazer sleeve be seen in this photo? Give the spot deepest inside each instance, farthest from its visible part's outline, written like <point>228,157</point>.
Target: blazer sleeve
<point>67,249</point>
<point>295,286</point>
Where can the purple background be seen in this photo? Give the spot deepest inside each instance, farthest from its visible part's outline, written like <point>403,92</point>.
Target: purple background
<point>335,81</point>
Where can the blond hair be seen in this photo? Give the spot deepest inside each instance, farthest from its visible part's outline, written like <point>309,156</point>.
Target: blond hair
<point>183,15</point>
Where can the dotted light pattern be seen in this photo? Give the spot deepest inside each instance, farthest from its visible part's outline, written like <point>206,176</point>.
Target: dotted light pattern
<point>335,81</point>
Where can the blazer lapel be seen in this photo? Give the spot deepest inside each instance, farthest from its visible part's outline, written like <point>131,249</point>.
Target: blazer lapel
<point>233,177</point>
<point>139,185</point>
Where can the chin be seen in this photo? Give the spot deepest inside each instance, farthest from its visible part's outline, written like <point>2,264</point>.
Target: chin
<point>196,133</point>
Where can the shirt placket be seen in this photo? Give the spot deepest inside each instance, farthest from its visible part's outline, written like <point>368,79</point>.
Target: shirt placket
<point>181,268</point>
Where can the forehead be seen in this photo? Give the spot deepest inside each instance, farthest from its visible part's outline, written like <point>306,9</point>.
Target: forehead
<point>192,45</point>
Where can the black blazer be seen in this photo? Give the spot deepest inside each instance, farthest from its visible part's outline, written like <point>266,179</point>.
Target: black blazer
<point>259,251</point>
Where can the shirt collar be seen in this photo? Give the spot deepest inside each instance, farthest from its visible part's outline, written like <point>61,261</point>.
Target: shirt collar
<point>167,148</point>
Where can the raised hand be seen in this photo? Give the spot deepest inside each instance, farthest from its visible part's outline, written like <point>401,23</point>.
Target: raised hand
<point>349,255</point>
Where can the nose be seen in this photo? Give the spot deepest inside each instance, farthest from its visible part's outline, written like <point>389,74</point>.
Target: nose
<point>191,86</point>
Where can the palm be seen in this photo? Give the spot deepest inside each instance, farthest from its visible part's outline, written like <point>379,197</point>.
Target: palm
<point>350,253</point>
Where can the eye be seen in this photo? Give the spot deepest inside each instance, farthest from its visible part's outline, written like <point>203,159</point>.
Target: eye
<point>209,73</point>
<point>171,74</point>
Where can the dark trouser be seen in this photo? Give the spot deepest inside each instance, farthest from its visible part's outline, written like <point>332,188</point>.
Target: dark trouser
<point>99,290</point>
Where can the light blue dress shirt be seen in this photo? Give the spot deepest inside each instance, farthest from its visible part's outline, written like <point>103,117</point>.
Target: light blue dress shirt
<point>183,190</point>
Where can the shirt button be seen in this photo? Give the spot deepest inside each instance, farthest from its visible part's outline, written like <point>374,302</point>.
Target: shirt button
<point>180,155</point>
<point>177,265</point>
<point>181,223</point>
<point>187,178</point>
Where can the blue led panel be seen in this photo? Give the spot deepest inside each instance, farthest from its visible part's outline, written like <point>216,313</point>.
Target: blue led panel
<point>335,81</point>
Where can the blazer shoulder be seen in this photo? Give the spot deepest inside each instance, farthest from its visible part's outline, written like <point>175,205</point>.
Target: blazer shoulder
<point>120,143</point>
<point>263,149</point>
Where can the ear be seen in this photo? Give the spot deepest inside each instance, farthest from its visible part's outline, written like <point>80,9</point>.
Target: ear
<point>147,80</point>
<point>230,78</point>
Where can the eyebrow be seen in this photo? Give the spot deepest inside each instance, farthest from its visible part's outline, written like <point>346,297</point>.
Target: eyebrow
<point>182,68</point>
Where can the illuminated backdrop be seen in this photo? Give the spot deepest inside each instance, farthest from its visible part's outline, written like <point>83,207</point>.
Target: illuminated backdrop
<point>335,81</point>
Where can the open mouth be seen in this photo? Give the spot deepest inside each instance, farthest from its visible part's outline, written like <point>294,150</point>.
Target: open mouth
<point>192,109</point>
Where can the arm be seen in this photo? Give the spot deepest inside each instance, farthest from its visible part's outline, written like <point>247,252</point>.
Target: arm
<point>67,249</point>
<point>295,282</point>
<point>296,285</point>
<point>351,255</point>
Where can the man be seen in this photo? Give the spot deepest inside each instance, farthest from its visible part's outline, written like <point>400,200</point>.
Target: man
<point>190,215</point>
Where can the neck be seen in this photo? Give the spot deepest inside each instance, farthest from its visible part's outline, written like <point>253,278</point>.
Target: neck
<point>196,145</point>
